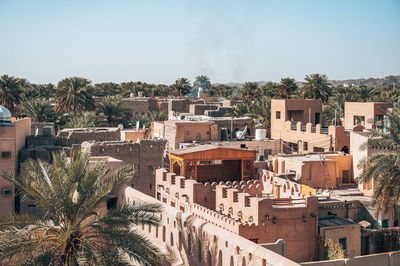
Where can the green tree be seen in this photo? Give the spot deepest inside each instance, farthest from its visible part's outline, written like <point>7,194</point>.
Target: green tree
<point>44,90</point>
<point>82,120</point>
<point>270,89</point>
<point>10,91</point>
<point>250,92</point>
<point>286,87</point>
<point>384,167</point>
<point>39,109</point>
<point>157,116</point>
<point>181,87</point>
<point>316,87</point>
<point>203,82</point>
<point>74,94</point>
<point>107,89</point>
<point>71,193</point>
<point>332,250</point>
<point>220,90</point>
<point>113,108</point>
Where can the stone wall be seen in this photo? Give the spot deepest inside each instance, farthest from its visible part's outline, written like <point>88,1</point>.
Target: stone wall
<point>188,240</point>
<point>383,259</point>
<point>69,136</point>
<point>145,156</point>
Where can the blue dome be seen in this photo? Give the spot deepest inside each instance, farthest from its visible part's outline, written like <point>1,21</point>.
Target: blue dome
<point>5,114</point>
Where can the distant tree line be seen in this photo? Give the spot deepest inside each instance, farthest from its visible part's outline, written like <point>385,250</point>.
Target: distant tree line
<point>71,102</point>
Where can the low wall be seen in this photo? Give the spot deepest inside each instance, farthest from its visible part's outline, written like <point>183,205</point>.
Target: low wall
<point>382,259</point>
<point>187,240</point>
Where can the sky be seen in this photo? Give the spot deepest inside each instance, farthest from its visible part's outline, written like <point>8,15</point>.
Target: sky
<point>228,41</point>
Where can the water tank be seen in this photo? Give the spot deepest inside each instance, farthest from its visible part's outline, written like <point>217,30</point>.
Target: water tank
<point>47,131</point>
<point>261,133</point>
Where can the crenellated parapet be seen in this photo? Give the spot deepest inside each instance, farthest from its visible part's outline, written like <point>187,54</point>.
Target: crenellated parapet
<point>216,218</point>
<point>281,187</point>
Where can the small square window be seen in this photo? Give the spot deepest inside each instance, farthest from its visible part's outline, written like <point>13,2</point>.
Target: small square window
<point>6,191</point>
<point>305,146</point>
<point>343,243</point>
<point>278,115</point>
<point>5,155</point>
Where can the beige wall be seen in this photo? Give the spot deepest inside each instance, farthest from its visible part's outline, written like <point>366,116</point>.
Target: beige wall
<point>368,110</point>
<point>350,232</point>
<point>189,240</point>
<point>12,139</point>
<point>286,108</point>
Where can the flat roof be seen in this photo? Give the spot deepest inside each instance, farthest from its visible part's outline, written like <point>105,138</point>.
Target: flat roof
<point>205,147</point>
<point>310,157</point>
<point>334,221</point>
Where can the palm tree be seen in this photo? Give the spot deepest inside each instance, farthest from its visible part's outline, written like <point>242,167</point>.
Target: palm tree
<point>384,167</point>
<point>270,89</point>
<point>73,94</point>
<point>107,89</point>
<point>39,109</point>
<point>366,94</point>
<point>250,92</point>
<point>82,120</point>
<point>157,116</point>
<point>261,112</point>
<point>316,87</point>
<point>72,194</point>
<point>10,91</point>
<point>286,87</point>
<point>240,110</point>
<point>113,108</point>
<point>220,90</point>
<point>44,90</point>
<point>203,82</point>
<point>181,87</point>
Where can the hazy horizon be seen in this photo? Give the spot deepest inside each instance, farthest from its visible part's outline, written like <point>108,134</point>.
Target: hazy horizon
<point>228,41</point>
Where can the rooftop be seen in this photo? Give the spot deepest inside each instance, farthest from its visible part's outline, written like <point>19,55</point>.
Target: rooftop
<point>334,221</point>
<point>205,147</point>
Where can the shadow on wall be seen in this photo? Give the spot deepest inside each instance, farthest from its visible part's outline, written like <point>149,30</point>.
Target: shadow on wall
<point>194,248</point>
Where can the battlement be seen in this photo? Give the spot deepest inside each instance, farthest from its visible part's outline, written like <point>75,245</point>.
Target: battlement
<point>216,218</point>
<point>272,183</point>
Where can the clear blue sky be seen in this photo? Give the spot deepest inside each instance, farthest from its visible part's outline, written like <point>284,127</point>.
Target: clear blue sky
<point>229,41</point>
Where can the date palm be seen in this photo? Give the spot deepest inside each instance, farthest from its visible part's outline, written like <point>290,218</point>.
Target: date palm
<point>10,91</point>
<point>203,82</point>
<point>286,87</point>
<point>113,108</point>
<point>250,92</point>
<point>39,109</point>
<point>157,116</point>
<point>181,87</point>
<point>220,90</point>
<point>74,94</point>
<point>384,167</point>
<point>316,87</point>
<point>82,120</point>
<point>71,193</point>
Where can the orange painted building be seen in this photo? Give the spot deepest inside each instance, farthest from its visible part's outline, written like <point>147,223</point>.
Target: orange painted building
<point>13,133</point>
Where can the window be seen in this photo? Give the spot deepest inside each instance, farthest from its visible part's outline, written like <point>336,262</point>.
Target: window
<point>187,132</point>
<point>343,242</point>
<point>151,169</point>
<point>151,185</point>
<point>6,191</point>
<point>278,115</point>
<point>5,155</point>
<point>112,203</point>
<point>359,120</point>
<point>305,146</point>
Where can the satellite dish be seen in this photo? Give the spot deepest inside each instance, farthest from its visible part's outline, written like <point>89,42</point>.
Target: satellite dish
<point>121,126</point>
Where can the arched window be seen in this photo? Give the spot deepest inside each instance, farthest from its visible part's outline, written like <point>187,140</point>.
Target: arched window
<point>164,231</point>
<point>220,258</point>
<point>172,240</point>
